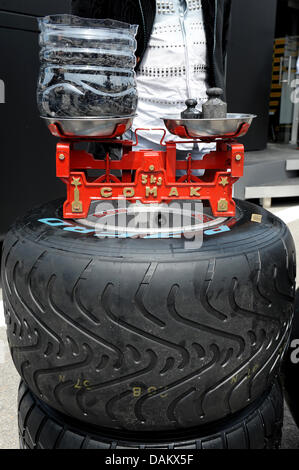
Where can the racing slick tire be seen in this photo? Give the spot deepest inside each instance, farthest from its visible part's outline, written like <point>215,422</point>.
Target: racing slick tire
<point>256,427</point>
<point>148,334</point>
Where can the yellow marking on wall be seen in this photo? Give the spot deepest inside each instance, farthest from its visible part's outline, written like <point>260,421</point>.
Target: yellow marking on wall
<point>275,94</point>
<point>280,41</point>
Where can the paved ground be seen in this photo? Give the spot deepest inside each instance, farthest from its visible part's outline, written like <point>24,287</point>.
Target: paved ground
<point>9,380</point>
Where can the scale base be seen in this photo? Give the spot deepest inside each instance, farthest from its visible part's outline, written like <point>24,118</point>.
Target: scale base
<point>148,176</point>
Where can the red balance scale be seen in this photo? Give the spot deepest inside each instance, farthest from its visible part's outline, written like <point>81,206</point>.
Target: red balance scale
<point>150,176</point>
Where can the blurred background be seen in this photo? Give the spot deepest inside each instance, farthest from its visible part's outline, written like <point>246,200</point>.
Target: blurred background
<point>261,79</point>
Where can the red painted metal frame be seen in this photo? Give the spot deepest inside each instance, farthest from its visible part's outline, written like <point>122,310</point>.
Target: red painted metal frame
<point>148,176</point>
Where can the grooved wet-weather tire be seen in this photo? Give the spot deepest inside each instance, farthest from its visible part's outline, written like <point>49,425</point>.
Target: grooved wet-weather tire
<point>291,367</point>
<point>148,334</point>
<point>256,427</point>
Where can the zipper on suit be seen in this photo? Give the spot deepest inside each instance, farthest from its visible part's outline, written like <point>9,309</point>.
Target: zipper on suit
<point>143,24</point>
<point>182,13</point>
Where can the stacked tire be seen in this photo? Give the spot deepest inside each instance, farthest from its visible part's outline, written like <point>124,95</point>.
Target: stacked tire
<point>144,343</point>
<point>291,367</point>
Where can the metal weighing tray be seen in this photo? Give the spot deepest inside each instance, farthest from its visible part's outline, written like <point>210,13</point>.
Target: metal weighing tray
<point>235,125</point>
<point>91,127</point>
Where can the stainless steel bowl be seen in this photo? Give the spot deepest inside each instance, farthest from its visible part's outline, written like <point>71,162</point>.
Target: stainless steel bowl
<point>89,126</point>
<point>210,128</point>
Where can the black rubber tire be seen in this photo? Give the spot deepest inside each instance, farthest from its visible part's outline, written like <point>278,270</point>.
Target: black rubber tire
<point>291,367</point>
<point>257,427</point>
<point>146,334</point>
